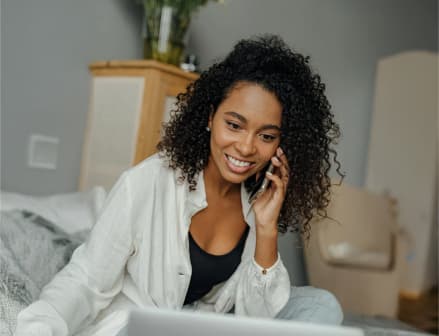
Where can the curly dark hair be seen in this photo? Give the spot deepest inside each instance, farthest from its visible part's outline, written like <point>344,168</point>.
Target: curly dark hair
<point>308,129</point>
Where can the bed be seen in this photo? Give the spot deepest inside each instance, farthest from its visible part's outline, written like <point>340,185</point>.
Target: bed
<point>37,238</point>
<point>39,234</point>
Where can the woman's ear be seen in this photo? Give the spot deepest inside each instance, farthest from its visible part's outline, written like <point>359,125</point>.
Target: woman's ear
<point>209,123</point>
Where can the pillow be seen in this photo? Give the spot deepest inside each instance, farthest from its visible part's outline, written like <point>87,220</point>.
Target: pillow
<point>73,212</point>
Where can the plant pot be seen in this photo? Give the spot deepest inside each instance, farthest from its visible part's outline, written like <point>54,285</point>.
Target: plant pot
<point>165,32</point>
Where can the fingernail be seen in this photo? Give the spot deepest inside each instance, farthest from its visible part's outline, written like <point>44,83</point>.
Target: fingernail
<point>279,151</point>
<point>268,172</point>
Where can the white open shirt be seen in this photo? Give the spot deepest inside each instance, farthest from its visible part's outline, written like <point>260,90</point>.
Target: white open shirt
<point>138,255</point>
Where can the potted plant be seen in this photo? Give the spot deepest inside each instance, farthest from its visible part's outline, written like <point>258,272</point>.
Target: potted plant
<point>165,26</point>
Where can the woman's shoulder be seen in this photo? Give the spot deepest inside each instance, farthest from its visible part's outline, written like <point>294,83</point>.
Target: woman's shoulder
<point>153,169</point>
<point>155,161</point>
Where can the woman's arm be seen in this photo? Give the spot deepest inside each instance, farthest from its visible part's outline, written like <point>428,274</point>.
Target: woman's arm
<point>92,278</point>
<point>262,291</point>
<point>264,287</point>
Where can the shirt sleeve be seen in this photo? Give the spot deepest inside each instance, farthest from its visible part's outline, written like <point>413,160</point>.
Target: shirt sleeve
<point>262,292</point>
<point>93,276</point>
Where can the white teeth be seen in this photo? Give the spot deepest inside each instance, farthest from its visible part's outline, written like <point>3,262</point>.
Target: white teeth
<point>237,162</point>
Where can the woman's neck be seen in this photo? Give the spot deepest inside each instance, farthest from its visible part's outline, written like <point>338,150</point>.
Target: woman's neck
<point>216,184</point>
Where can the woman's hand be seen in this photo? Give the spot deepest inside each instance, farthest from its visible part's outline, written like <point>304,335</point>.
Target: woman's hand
<point>267,207</point>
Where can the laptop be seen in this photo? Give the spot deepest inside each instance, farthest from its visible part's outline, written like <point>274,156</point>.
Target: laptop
<point>158,322</point>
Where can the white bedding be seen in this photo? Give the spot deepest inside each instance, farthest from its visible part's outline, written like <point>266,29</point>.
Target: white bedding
<point>72,212</point>
<point>32,251</point>
<point>37,238</point>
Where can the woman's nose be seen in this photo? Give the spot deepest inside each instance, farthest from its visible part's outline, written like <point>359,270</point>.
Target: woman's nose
<point>246,145</point>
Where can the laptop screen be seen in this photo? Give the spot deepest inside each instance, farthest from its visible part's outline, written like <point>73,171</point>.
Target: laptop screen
<point>158,322</point>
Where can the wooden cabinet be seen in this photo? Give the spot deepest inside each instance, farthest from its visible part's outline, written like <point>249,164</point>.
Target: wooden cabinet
<point>129,101</point>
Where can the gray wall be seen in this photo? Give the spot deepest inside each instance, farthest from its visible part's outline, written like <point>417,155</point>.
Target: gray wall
<point>48,44</point>
<point>46,48</point>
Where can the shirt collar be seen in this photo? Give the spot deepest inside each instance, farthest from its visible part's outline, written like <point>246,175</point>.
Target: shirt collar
<point>197,198</point>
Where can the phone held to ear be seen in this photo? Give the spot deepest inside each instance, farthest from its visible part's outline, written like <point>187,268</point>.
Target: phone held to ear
<point>262,184</point>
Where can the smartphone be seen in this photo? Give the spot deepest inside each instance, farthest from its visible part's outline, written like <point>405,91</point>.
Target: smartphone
<point>262,184</point>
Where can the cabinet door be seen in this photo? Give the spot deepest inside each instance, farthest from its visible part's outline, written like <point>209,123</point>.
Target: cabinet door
<point>111,133</point>
<point>160,98</point>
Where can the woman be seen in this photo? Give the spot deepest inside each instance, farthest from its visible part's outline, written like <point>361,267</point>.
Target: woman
<point>178,230</point>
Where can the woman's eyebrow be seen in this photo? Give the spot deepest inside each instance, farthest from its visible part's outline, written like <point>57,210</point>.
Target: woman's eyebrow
<point>244,120</point>
<point>237,116</point>
<point>266,127</point>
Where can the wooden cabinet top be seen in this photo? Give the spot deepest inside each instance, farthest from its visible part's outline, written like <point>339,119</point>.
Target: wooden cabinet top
<point>106,67</point>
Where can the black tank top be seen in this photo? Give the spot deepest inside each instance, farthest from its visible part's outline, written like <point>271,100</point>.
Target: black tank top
<point>209,269</point>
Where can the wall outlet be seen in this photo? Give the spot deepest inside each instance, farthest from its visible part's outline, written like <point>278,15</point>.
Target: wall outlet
<point>42,151</point>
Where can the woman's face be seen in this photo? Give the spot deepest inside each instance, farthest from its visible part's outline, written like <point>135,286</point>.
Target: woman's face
<point>245,132</point>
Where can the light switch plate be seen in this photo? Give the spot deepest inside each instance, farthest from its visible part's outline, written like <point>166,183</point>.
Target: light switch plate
<point>42,151</point>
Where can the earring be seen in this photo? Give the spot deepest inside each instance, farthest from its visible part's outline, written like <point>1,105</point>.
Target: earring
<point>207,129</point>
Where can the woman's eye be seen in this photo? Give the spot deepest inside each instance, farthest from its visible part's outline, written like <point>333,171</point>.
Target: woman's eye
<point>233,125</point>
<point>268,137</point>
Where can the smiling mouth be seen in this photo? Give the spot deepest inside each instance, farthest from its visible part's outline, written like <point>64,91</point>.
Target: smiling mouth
<point>238,166</point>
